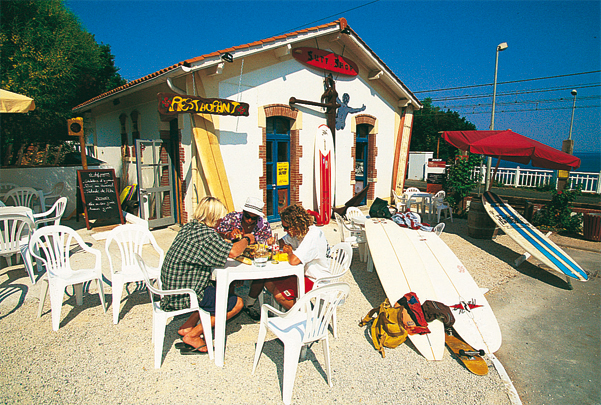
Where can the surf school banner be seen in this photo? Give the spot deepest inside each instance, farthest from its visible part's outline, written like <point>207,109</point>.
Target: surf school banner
<point>172,104</point>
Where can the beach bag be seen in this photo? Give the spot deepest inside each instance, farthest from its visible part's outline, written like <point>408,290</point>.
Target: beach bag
<point>437,310</point>
<point>379,209</point>
<point>386,329</point>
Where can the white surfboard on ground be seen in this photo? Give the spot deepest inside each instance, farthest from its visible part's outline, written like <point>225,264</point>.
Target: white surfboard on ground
<point>475,321</point>
<point>530,238</point>
<point>401,270</point>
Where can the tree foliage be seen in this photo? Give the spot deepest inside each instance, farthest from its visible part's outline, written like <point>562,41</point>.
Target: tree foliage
<point>427,124</point>
<point>48,56</point>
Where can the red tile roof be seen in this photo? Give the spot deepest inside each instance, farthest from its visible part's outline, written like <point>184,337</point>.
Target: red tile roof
<point>189,62</point>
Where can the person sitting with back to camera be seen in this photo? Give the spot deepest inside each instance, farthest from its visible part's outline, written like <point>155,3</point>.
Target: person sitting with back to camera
<point>189,262</point>
<point>305,245</point>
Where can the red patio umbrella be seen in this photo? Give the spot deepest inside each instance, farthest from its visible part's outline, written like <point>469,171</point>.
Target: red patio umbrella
<point>508,145</point>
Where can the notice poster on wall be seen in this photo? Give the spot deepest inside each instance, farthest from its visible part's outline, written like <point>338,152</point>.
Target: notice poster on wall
<point>98,189</point>
<point>283,173</point>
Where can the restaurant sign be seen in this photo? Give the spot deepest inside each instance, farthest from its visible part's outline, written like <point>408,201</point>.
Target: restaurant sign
<point>172,104</point>
<point>326,60</point>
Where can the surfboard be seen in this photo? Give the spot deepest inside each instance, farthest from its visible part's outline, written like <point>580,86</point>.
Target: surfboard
<point>475,321</point>
<point>325,173</point>
<point>530,238</point>
<point>401,270</point>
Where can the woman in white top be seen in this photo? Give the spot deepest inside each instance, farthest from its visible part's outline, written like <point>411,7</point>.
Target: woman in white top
<point>305,244</point>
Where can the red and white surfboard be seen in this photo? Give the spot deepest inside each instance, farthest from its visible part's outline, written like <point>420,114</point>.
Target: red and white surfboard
<point>325,173</point>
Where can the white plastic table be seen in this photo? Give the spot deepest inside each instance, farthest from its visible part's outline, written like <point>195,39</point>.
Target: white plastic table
<point>235,270</point>
<point>426,199</point>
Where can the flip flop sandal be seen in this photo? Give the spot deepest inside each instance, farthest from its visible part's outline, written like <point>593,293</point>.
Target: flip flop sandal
<point>193,350</point>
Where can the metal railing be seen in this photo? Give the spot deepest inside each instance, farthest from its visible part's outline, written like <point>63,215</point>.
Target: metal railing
<point>520,177</point>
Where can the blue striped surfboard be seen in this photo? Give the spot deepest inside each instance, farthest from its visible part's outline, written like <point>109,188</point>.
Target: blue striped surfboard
<point>530,238</point>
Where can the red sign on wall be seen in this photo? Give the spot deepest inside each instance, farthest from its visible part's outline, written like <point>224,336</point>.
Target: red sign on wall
<point>326,60</point>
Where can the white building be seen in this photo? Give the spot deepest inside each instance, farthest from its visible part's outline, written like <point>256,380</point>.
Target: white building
<point>234,157</point>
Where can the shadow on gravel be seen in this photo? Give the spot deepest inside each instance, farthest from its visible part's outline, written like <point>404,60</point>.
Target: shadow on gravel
<point>508,256</point>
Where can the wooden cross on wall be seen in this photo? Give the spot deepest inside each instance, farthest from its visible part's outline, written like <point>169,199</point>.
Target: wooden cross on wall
<point>328,101</point>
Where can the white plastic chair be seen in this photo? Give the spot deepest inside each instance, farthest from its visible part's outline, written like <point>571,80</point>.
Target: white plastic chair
<point>56,192</point>
<point>6,187</point>
<point>356,235</point>
<point>52,246</point>
<point>340,259</point>
<point>306,322</point>
<point>353,212</point>
<point>54,214</point>
<point>438,228</point>
<point>160,317</point>
<point>22,196</point>
<point>400,201</point>
<point>15,232</point>
<point>439,205</point>
<point>130,239</point>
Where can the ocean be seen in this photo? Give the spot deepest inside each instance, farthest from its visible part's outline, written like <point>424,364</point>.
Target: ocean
<point>589,162</point>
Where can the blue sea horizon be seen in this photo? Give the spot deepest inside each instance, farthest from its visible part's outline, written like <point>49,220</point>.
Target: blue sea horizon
<point>590,162</point>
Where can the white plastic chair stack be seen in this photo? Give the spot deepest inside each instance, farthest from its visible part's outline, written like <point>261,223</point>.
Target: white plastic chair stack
<point>340,259</point>
<point>353,212</point>
<point>439,205</point>
<point>160,317</point>
<point>355,236</point>
<point>130,239</point>
<point>15,232</point>
<point>306,322</point>
<point>52,245</point>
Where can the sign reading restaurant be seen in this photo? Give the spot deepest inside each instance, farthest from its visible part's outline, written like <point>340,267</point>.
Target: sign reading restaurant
<point>171,104</point>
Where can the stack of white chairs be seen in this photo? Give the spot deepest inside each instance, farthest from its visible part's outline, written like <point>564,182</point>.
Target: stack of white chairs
<point>306,322</point>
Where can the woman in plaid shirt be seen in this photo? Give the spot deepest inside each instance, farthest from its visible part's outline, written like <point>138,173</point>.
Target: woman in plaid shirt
<point>195,252</point>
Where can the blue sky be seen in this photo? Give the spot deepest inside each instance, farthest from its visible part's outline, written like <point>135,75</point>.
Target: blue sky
<point>428,44</point>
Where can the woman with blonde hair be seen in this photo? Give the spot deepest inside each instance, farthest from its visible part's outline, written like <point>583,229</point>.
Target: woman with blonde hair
<point>189,262</point>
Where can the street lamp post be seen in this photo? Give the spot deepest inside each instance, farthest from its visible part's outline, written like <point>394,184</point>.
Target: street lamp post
<point>574,93</point>
<point>501,47</point>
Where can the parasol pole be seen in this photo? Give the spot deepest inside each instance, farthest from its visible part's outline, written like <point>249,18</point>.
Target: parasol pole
<point>495,172</point>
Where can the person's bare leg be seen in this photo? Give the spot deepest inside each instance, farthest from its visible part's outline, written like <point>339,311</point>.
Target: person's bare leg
<point>256,286</point>
<point>195,339</point>
<point>189,324</point>
<point>279,297</point>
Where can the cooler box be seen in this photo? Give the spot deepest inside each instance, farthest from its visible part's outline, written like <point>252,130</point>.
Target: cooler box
<point>592,226</point>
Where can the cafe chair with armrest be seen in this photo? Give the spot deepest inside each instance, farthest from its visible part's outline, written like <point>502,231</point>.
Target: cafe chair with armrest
<point>355,235</point>
<point>339,260</point>
<point>54,194</point>
<point>439,204</point>
<point>53,247</point>
<point>306,322</point>
<point>130,239</point>
<point>353,212</point>
<point>54,214</point>
<point>400,201</point>
<point>160,317</point>
<point>15,233</point>
<point>22,196</point>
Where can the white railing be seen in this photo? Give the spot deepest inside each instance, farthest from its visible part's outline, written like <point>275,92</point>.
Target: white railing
<point>520,177</point>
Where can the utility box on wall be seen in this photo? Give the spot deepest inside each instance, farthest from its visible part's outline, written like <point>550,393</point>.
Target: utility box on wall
<point>418,161</point>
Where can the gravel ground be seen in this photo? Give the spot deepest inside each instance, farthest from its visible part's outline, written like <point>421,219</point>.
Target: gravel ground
<point>90,360</point>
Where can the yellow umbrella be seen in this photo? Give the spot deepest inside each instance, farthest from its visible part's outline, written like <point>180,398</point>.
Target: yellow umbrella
<point>15,103</point>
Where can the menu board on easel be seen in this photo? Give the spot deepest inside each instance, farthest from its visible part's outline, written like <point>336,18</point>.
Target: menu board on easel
<point>98,189</point>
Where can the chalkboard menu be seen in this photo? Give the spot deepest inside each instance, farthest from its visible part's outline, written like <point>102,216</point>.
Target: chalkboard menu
<point>98,188</point>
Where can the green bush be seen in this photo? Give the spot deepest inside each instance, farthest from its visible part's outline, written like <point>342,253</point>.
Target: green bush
<point>557,215</point>
<point>460,180</point>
